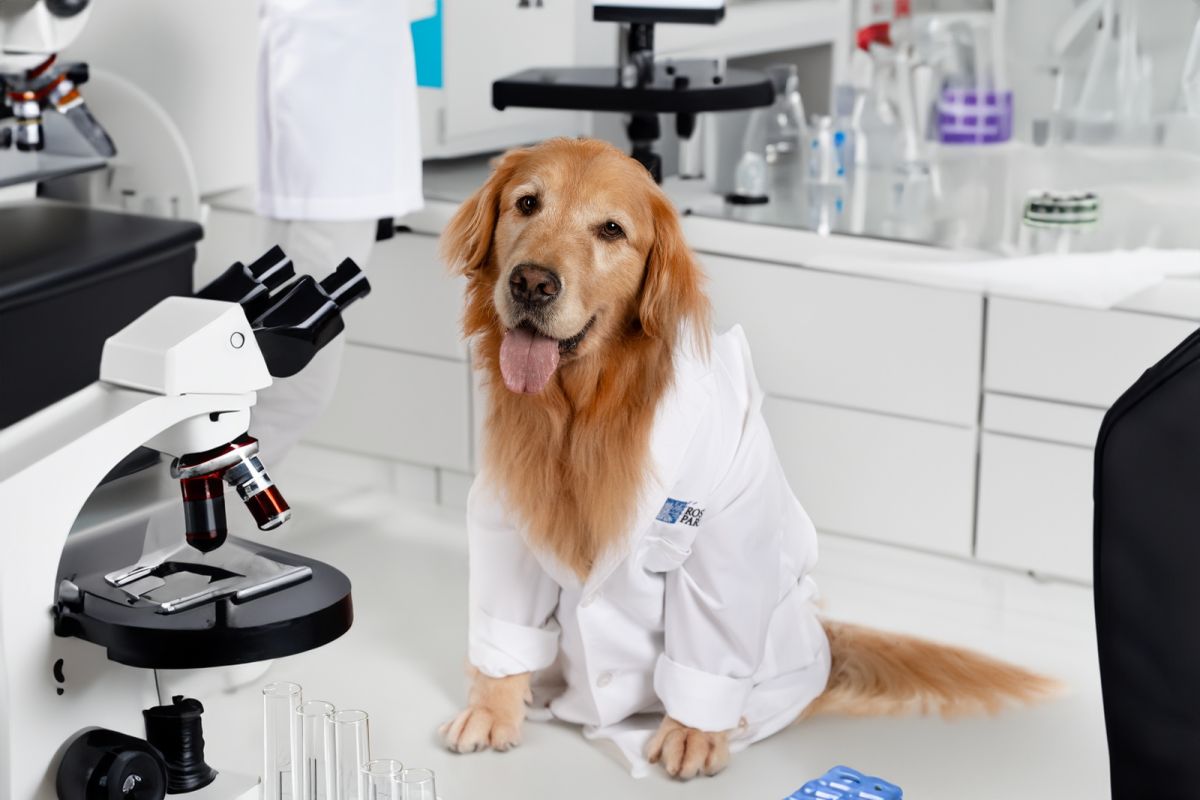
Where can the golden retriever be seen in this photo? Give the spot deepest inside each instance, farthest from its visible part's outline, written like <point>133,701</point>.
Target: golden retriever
<point>579,283</point>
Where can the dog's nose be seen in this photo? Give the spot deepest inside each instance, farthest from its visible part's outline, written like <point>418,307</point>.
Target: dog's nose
<point>533,286</point>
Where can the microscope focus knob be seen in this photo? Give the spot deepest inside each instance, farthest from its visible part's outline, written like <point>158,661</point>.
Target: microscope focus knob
<point>105,765</point>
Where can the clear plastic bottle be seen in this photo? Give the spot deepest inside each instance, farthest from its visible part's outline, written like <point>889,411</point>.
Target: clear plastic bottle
<point>785,134</point>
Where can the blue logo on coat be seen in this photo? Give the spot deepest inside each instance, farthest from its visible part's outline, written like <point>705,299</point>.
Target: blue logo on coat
<point>680,511</point>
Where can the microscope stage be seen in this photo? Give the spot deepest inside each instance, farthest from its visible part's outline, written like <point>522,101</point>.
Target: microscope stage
<point>137,629</point>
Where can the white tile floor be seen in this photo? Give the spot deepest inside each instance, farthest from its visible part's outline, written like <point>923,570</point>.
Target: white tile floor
<point>403,662</point>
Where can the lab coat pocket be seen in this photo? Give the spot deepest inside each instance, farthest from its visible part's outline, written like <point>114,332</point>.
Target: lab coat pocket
<point>667,546</point>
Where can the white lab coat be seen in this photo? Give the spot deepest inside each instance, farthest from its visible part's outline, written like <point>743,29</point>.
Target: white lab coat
<point>707,610</point>
<point>339,133</point>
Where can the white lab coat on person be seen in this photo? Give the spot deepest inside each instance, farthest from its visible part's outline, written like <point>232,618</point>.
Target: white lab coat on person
<point>706,611</point>
<point>339,128</point>
<point>338,149</point>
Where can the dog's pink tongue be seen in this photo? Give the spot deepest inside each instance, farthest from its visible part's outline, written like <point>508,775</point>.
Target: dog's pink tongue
<point>527,360</point>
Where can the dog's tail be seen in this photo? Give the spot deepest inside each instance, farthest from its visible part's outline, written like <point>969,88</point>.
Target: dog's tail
<point>876,674</point>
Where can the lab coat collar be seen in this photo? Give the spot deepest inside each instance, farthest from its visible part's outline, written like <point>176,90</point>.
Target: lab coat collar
<point>675,422</point>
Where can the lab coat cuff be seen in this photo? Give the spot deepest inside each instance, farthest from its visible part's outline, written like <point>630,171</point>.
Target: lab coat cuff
<point>698,699</point>
<point>498,648</point>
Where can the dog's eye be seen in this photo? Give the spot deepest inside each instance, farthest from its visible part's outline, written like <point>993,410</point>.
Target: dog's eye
<point>527,204</point>
<point>611,230</point>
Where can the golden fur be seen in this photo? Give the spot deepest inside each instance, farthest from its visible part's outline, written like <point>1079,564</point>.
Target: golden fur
<point>583,440</point>
<point>875,673</point>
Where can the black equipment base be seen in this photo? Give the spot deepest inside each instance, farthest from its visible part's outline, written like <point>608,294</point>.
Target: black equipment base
<point>633,14</point>
<point>289,621</point>
<point>682,87</point>
<point>70,277</point>
<point>1147,557</point>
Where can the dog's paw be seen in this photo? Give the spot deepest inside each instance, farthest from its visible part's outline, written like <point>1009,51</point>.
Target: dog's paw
<point>686,752</point>
<point>478,728</point>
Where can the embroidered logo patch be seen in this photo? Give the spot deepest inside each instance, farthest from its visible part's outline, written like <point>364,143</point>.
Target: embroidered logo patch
<point>680,511</point>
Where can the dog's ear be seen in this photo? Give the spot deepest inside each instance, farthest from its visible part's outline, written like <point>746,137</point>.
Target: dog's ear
<point>673,287</point>
<point>467,239</point>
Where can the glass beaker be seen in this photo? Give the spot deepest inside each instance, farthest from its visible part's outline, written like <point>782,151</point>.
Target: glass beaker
<point>349,743</point>
<point>417,784</point>
<point>379,779</point>
<point>784,134</point>
<point>281,741</point>
<point>314,752</point>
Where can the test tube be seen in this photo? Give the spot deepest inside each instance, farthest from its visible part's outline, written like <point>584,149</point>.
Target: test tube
<point>281,741</point>
<point>349,742</point>
<point>379,779</point>
<point>314,776</point>
<point>417,784</point>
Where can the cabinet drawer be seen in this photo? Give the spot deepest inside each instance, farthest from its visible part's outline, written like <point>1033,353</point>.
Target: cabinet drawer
<point>400,406</point>
<point>415,303</point>
<point>894,480</point>
<point>855,342</point>
<point>1035,506</point>
<point>1040,419</point>
<point>1073,354</point>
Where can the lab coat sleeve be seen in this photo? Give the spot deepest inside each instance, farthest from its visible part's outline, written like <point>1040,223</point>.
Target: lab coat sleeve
<point>719,602</point>
<point>512,600</point>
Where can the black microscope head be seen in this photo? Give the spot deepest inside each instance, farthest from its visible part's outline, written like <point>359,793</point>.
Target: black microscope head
<point>292,317</point>
<point>305,315</point>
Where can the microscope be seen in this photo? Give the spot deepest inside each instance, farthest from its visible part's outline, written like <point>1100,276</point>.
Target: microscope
<point>643,86</point>
<point>32,81</point>
<point>79,645</point>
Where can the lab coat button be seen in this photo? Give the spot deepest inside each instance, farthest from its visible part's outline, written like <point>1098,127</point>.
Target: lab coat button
<point>604,680</point>
<point>589,599</point>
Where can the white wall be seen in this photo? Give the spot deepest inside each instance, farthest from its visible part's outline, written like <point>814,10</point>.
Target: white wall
<point>197,59</point>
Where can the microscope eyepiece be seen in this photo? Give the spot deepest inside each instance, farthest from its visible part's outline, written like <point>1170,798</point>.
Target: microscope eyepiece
<point>251,286</point>
<point>346,284</point>
<point>272,269</point>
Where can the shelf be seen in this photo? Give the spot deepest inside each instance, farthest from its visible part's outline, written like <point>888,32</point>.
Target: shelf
<point>18,168</point>
<point>759,26</point>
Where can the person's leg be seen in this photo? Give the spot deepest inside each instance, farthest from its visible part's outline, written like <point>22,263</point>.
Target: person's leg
<point>285,411</point>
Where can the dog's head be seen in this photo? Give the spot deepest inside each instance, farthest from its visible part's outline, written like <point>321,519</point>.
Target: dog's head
<point>569,249</point>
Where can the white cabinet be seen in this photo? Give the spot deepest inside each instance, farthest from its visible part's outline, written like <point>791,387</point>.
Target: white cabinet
<point>855,342</point>
<point>1073,355</point>
<point>415,303</point>
<point>897,481</point>
<point>1045,421</point>
<point>400,406</point>
<point>1035,506</point>
<point>229,236</point>
<point>405,390</point>
<point>1051,373</point>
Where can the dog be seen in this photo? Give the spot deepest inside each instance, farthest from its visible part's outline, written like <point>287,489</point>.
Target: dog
<point>631,531</point>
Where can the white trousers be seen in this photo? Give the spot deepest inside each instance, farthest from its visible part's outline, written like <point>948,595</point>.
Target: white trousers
<point>290,406</point>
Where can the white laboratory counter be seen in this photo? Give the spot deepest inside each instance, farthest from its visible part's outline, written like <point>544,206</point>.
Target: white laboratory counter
<point>403,662</point>
<point>963,404</point>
